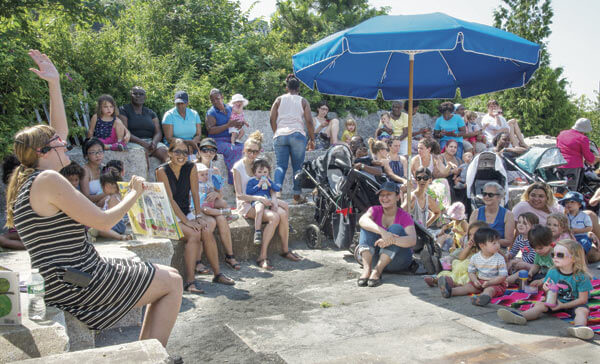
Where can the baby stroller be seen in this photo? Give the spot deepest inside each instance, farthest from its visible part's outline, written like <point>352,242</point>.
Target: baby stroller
<point>333,209</point>
<point>540,165</point>
<point>485,167</point>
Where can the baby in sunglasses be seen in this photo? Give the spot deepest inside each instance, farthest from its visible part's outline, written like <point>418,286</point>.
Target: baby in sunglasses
<point>487,271</point>
<point>573,279</point>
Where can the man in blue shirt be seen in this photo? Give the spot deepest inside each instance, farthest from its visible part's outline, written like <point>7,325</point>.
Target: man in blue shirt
<point>182,122</point>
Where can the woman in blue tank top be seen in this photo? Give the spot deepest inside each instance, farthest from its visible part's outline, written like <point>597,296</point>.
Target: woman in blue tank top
<point>497,217</point>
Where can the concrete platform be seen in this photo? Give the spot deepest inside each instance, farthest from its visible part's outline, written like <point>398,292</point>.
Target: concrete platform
<point>138,352</point>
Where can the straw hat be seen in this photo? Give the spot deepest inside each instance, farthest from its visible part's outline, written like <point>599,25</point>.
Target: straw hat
<point>238,97</point>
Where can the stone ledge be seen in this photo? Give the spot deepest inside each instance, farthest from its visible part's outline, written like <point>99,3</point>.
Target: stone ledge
<point>134,160</point>
<point>137,352</point>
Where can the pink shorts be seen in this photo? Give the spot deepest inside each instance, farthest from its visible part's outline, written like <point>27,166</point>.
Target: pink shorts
<point>499,289</point>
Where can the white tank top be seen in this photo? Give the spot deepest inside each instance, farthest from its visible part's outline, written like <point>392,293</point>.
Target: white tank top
<point>289,115</point>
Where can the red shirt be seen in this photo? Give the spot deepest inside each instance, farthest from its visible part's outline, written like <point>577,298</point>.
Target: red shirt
<point>574,146</point>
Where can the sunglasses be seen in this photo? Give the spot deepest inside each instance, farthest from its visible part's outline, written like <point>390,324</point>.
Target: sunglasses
<point>48,148</point>
<point>138,93</point>
<point>208,150</point>
<point>559,255</point>
<point>179,152</point>
<point>252,151</point>
<point>422,178</point>
<point>489,194</point>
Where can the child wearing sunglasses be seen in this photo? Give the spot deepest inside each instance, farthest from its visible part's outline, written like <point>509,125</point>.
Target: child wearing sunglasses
<point>540,239</point>
<point>487,271</point>
<point>571,274</point>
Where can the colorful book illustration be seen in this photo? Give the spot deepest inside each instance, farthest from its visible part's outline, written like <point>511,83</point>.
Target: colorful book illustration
<point>152,214</point>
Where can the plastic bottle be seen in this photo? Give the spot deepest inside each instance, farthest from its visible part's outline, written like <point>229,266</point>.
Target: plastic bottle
<point>552,294</point>
<point>264,179</point>
<point>523,276</point>
<point>35,290</point>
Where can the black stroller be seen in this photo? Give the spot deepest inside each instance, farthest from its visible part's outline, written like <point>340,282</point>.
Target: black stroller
<point>485,167</point>
<point>540,165</point>
<point>343,194</point>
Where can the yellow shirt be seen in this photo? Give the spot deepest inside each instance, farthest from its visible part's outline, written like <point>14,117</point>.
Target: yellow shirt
<point>397,125</point>
<point>347,135</point>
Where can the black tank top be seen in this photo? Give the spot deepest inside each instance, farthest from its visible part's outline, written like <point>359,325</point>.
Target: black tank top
<point>180,188</point>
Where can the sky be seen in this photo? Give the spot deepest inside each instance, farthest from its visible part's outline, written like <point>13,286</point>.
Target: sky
<point>573,44</point>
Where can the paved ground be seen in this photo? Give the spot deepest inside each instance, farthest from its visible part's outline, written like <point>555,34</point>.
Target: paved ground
<point>313,312</point>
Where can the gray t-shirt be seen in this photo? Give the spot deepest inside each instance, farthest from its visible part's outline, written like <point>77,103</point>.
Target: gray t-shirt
<point>579,221</point>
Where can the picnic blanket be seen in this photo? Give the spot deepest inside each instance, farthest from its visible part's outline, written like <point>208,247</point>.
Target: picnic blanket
<point>521,301</point>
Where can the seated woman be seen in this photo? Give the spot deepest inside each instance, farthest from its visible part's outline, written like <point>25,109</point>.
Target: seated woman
<point>326,130</point>
<point>396,167</point>
<point>502,146</point>
<point>454,167</point>
<point>242,172</point>
<point>180,179</point>
<point>218,122</point>
<point>423,208</point>
<point>449,126</point>
<point>496,216</point>
<point>387,234</point>
<point>93,152</point>
<point>380,152</point>
<point>493,123</point>
<point>182,122</point>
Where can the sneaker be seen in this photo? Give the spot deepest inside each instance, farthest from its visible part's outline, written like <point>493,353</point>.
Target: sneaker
<point>446,284</point>
<point>431,281</point>
<point>257,237</point>
<point>512,317</point>
<point>581,332</point>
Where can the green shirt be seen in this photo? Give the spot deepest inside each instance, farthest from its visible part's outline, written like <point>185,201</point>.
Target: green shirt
<point>544,261</point>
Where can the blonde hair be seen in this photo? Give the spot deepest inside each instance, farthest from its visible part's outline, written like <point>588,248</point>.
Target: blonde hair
<point>470,115</point>
<point>539,186</point>
<point>563,222</point>
<point>255,138</point>
<point>376,146</point>
<point>27,143</point>
<point>578,254</point>
<point>350,121</point>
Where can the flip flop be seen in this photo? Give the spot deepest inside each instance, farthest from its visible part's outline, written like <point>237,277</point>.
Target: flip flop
<point>193,287</point>
<point>481,300</point>
<point>290,256</point>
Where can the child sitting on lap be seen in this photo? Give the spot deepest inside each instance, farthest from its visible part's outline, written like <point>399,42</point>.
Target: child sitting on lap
<point>204,190</point>
<point>460,180</point>
<point>570,273</point>
<point>487,271</point>
<point>261,185</point>
<point>237,104</point>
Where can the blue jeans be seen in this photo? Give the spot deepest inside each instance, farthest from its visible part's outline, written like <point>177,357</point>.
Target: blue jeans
<point>286,146</point>
<point>585,242</point>
<point>400,257</point>
<point>459,150</point>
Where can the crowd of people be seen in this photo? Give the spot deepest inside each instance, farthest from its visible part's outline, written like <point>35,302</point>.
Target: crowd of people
<point>487,247</point>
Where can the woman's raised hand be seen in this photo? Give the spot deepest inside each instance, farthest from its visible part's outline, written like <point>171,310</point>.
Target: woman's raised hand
<point>136,184</point>
<point>47,71</point>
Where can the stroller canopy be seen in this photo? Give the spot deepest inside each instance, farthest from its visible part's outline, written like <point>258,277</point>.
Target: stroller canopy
<point>540,158</point>
<point>487,164</point>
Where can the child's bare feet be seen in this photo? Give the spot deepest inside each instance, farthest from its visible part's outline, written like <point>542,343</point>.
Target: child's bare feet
<point>431,281</point>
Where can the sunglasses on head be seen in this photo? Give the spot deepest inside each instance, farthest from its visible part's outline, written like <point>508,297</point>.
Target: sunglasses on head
<point>180,152</point>
<point>489,194</point>
<point>559,255</point>
<point>422,178</point>
<point>208,150</point>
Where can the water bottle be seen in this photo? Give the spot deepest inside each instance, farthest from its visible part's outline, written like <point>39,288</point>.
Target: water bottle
<point>264,179</point>
<point>523,276</point>
<point>35,291</point>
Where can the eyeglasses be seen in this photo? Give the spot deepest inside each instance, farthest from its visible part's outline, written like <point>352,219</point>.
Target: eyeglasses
<point>422,178</point>
<point>252,151</point>
<point>99,152</point>
<point>48,147</point>
<point>323,108</point>
<point>489,194</point>
<point>559,255</point>
<point>179,152</point>
<point>208,150</point>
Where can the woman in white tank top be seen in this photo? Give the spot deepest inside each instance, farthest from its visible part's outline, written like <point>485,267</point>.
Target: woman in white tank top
<point>288,133</point>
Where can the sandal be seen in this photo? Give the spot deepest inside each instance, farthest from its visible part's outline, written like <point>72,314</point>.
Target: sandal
<point>264,264</point>
<point>193,287</point>
<point>362,282</point>
<point>203,269</point>
<point>223,279</point>
<point>290,256</point>
<point>234,266</point>
<point>481,300</point>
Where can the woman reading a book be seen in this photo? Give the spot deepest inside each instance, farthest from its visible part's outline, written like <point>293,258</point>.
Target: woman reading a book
<point>180,178</point>
<point>50,216</point>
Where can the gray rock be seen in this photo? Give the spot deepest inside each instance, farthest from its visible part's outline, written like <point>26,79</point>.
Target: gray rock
<point>134,160</point>
<point>543,141</point>
<point>137,352</point>
<point>153,250</point>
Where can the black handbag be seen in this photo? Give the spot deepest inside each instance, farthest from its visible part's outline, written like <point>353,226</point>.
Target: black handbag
<point>344,227</point>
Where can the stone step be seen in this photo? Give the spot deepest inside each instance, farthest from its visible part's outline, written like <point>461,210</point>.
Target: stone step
<point>137,352</point>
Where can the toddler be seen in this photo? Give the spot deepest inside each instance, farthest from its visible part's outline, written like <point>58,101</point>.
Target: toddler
<point>105,125</point>
<point>540,239</point>
<point>237,104</point>
<point>459,259</point>
<point>204,189</point>
<point>570,273</point>
<point>74,173</point>
<point>115,165</point>
<point>261,185</point>
<point>454,230</point>
<point>350,130</point>
<point>108,181</point>
<point>460,180</point>
<point>580,223</point>
<point>385,127</point>
<point>525,222</point>
<point>559,225</point>
<point>487,271</point>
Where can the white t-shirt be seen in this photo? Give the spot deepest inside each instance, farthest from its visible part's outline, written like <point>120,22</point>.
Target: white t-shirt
<point>239,166</point>
<point>490,127</point>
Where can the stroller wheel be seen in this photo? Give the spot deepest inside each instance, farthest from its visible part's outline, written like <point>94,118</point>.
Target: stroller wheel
<point>313,236</point>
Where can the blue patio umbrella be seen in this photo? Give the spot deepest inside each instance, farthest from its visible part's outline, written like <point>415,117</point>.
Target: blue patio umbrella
<point>440,53</point>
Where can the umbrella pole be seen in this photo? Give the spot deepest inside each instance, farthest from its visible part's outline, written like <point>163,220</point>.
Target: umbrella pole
<point>411,64</point>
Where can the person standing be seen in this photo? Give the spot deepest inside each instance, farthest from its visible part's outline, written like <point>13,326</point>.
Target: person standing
<point>289,135</point>
<point>144,126</point>
<point>574,145</point>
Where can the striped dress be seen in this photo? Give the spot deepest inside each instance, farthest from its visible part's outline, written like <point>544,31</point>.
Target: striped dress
<point>58,242</point>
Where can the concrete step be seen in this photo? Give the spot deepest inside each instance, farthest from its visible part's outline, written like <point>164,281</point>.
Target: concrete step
<point>137,352</point>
